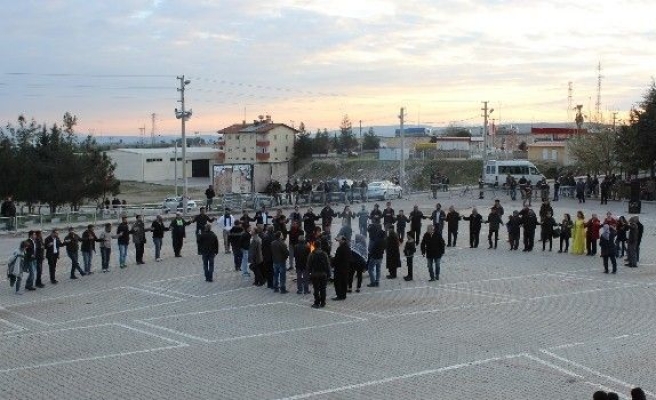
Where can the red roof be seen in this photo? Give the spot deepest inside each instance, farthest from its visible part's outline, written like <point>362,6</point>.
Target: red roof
<point>557,131</point>
<point>261,127</point>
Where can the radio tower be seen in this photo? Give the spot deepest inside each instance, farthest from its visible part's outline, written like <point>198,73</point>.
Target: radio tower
<point>153,117</point>
<point>570,90</point>
<point>598,103</point>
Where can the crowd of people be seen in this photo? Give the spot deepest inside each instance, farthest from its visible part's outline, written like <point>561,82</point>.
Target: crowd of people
<point>268,245</point>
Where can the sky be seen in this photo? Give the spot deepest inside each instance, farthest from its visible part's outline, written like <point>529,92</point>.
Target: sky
<point>115,63</point>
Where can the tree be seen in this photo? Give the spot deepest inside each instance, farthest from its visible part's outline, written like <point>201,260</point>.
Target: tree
<point>522,146</point>
<point>595,152</point>
<point>347,140</point>
<point>370,141</point>
<point>302,145</point>
<point>321,142</point>
<point>636,143</point>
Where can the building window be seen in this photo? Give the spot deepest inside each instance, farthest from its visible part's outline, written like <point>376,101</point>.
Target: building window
<point>286,149</point>
<point>173,159</point>
<point>545,154</point>
<point>554,155</point>
<point>153,160</point>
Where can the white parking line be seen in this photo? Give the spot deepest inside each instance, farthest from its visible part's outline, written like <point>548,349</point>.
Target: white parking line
<point>211,311</point>
<point>17,328</point>
<point>553,366</point>
<point>173,331</point>
<point>594,372</point>
<point>329,311</point>
<point>400,377</point>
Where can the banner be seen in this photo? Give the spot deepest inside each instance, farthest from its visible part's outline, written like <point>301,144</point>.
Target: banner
<point>232,178</point>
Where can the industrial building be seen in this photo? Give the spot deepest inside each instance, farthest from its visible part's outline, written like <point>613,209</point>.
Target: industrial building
<point>160,164</point>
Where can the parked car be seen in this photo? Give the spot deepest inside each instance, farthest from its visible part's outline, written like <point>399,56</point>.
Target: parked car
<point>175,203</point>
<point>384,190</point>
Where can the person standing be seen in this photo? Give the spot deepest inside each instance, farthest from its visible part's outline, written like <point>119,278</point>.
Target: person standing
<point>72,243</point>
<point>578,234</point>
<point>620,240</point>
<point>157,228</point>
<point>123,235</point>
<point>437,217</point>
<point>640,231</point>
<point>376,251</point>
<point>138,232</point>
<point>494,223</point>
<point>475,221</point>
<point>514,230</point>
<point>415,222</point>
<point>452,219</point>
<point>565,232</point>
<point>255,257</point>
<point>547,231</point>
<point>106,246</point>
<point>376,213</point>
<point>88,247</point>
<point>301,254</point>
<point>266,267</point>
<point>262,217</point>
<point>592,234</point>
<point>16,267</point>
<point>319,267</point>
<point>529,222</point>
<point>432,247</point>
<point>8,210</point>
<point>632,243</point>
<point>208,245</point>
<point>309,222</point>
<point>30,260</point>
<point>201,220</point>
<point>234,237</point>
<point>39,255</point>
<point>244,245</point>
<point>209,195</point>
<point>363,219</point>
<point>178,233</point>
<point>358,262</point>
<point>327,214</point>
<point>388,214</point>
<point>607,246</point>
<point>392,253</point>
<point>279,255</point>
<point>293,236</point>
<point>226,222</point>
<point>53,249</point>
<point>401,222</point>
<point>341,266</point>
<point>409,251</point>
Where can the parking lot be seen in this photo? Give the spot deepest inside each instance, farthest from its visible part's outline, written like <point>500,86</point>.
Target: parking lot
<point>498,325</point>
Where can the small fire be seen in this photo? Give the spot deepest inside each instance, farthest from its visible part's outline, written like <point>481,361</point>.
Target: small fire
<point>312,247</point>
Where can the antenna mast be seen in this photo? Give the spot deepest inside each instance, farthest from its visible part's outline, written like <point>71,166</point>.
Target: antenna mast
<point>153,117</point>
<point>598,103</point>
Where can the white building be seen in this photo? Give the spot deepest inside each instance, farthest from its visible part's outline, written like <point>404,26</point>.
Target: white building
<point>154,165</point>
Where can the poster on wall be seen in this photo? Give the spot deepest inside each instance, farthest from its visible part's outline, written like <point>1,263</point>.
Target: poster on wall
<point>232,178</point>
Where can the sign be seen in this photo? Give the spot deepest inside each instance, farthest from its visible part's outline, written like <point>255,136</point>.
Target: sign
<point>232,178</point>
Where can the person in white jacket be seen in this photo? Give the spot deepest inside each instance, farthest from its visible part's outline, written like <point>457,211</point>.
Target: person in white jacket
<point>225,223</point>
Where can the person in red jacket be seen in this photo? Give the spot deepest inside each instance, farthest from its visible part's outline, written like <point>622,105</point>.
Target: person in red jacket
<point>592,234</point>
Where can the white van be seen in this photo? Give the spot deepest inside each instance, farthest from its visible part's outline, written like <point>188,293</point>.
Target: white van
<point>497,171</point>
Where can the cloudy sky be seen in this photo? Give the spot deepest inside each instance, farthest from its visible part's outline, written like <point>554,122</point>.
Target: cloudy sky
<point>114,63</point>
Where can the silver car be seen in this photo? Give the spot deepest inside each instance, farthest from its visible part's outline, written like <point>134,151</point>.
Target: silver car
<point>384,190</point>
<point>175,203</point>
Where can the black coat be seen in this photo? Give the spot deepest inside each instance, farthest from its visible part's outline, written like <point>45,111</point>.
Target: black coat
<point>208,243</point>
<point>432,245</point>
<point>475,221</point>
<point>342,259</point>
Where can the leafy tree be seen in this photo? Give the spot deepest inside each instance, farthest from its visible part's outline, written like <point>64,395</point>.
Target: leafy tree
<point>347,140</point>
<point>522,146</point>
<point>321,142</point>
<point>595,152</point>
<point>302,145</point>
<point>636,143</point>
<point>370,141</point>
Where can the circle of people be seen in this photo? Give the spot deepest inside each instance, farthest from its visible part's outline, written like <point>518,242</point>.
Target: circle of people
<point>267,246</point>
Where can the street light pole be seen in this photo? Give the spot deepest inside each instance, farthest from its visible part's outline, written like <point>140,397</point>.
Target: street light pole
<point>402,164</point>
<point>183,116</point>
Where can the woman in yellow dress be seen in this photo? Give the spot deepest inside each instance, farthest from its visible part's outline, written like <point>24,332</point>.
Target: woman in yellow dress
<point>578,234</point>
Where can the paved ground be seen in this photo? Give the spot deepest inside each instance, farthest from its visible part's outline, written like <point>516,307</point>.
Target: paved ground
<point>498,325</point>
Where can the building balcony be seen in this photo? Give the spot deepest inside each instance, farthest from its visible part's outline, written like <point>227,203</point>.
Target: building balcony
<point>262,143</point>
<point>262,156</point>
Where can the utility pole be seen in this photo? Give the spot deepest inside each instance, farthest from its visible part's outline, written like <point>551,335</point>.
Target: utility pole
<point>614,120</point>
<point>486,115</point>
<point>175,166</point>
<point>183,116</point>
<point>142,131</point>
<point>360,138</point>
<point>153,116</point>
<point>402,164</point>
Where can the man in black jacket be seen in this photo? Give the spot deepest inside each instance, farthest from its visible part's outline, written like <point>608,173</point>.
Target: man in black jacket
<point>319,266</point>
<point>415,222</point>
<point>53,248</point>
<point>178,233</point>
<point>210,194</point>
<point>529,221</point>
<point>208,246</point>
<point>301,254</point>
<point>452,219</point>
<point>432,247</point>
<point>341,263</point>
<point>475,220</point>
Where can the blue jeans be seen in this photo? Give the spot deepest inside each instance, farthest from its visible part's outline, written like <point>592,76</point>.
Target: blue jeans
<point>86,258</point>
<point>373,266</point>
<point>105,252</point>
<point>158,247</point>
<point>32,274</point>
<point>208,266</point>
<point>279,275</point>
<point>430,262</point>
<point>122,254</point>
<point>363,230</point>
<point>75,265</point>
<point>244,263</point>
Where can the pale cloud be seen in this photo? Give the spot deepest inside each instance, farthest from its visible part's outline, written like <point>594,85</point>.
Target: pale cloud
<point>311,61</point>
